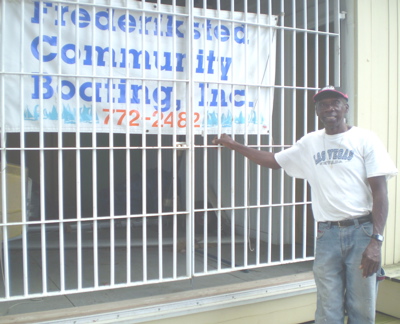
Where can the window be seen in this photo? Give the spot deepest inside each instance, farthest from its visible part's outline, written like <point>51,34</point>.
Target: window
<point>108,110</point>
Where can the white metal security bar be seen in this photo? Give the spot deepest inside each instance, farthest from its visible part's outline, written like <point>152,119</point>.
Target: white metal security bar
<point>108,175</point>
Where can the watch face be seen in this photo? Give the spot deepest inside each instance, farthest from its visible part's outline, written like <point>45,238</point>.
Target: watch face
<point>378,237</point>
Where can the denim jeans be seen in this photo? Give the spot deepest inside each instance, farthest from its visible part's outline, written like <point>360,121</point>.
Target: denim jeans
<point>341,288</point>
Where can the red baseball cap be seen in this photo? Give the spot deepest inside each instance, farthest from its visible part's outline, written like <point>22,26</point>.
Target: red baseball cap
<point>329,90</point>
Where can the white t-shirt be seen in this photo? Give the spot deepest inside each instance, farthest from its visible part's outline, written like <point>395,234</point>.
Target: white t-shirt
<point>337,168</point>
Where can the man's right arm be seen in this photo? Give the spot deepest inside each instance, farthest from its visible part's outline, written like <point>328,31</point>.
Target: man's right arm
<point>263,158</point>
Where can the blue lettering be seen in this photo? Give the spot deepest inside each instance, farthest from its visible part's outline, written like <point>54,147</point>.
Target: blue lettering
<point>179,61</point>
<point>210,58</point>
<point>223,35</point>
<point>52,41</point>
<point>131,24</point>
<point>83,18</point>
<point>36,11</point>
<point>225,67</point>
<point>63,11</point>
<point>318,158</point>
<point>98,87</point>
<point>200,62</point>
<point>135,94</point>
<point>239,93</point>
<point>169,32</point>
<point>196,32</point>
<point>330,153</point>
<point>82,91</point>
<point>201,102</point>
<point>71,93</point>
<point>47,92</point>
<point>166,102</point>
<point>345,154</point>
<point>64,50</point>
<point>209,30</point>
<point>101,56</point>
<point>146,20</point>
<point>136,54</point>
<point>89,85</point>
<point>167,66</point>
<point>102,20</point>
<point>214,102</point>
<point>239,34</point>
<point>89,54</point>
<point>122,91</point>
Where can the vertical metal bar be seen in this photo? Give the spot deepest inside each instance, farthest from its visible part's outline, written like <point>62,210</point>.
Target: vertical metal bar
<point>336,46</point>
<point>326,38</point>
<point>205,150</point>
<point>174,155</point>
<point>205,189</point>
<point>219,190</point>
<point>42,163</point>
<point>61,226</point>
<point>219,220</point>
<point>233,164</point>
<point>111,157</point>
<point>24,180</point>
<point>144,164</point>
<point>159,156</point>
<point>128,166</point>
<point>282,127</point>
<point>316,74</point>
<point>247,176</point>
<point>206,194</point>
<point>258,140</point>
<point>94,173</point>
<point>305,105</point>
<point>78,166</point>
<point>189,167</point>
<point>247,212</point>
<point>294,131</point>
<point>316,51</point>
<point>3,235</point>
<point>270,140</point>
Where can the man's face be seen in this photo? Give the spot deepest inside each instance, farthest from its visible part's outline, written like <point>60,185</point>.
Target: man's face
<point>332,111</point>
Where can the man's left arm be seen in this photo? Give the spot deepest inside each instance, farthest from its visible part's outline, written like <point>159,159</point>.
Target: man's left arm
<point>371,258</point>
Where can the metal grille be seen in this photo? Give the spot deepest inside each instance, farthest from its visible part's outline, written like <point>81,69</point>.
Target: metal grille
<point>116,182</point>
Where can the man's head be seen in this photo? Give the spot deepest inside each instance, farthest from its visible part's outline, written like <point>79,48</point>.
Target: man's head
<point>331,107</point>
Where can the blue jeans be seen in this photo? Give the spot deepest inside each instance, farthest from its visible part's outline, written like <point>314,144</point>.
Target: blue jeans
<point>341,287</point>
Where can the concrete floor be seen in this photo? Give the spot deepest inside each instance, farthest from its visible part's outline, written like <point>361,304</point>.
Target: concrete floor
<point>380,319</point>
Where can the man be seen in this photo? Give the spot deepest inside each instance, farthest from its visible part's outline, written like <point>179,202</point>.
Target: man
<point>347,169</point>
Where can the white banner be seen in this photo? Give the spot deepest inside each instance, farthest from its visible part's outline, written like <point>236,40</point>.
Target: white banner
<point>84,68</point>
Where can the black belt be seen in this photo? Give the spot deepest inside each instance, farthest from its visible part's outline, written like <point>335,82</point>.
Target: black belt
<point>350,222</point>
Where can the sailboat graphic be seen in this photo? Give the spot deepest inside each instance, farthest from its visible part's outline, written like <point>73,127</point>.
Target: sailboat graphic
<point>68,114</point>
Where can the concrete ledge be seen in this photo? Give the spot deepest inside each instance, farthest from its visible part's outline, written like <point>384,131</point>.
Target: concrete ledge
<point>389,292</point>
<point>179,304</point>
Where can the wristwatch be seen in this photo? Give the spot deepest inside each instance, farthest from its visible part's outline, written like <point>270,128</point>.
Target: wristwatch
<point>378,237</point>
